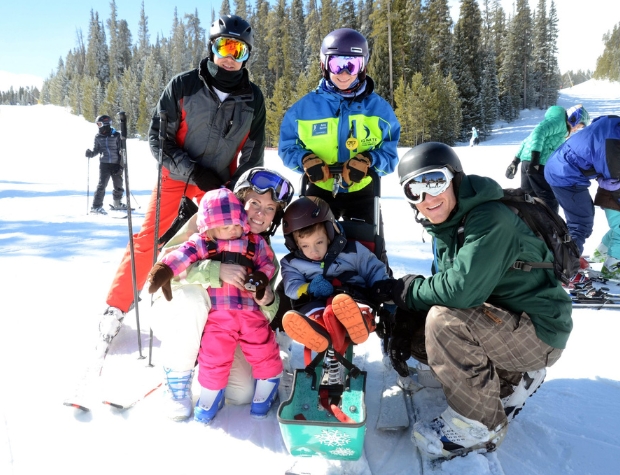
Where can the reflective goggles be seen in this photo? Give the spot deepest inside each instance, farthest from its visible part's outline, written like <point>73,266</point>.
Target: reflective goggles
<point>433,182</point>
<point>265,180</point>
<point>103,124</point>
<point>352,64</point>
<point>223,47</point>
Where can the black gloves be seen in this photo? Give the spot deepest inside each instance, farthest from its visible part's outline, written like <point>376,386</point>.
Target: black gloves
<point>206,179</point>
<point>512,168</point>
<point>535,166</point>
<point>393,289</point>
<point>399,347</point>
<point>89,153</point>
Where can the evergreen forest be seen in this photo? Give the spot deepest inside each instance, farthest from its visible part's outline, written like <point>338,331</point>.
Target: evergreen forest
<point>443,76</point>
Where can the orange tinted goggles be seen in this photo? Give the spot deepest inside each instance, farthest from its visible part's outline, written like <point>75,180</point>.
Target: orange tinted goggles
<point>238,50</point>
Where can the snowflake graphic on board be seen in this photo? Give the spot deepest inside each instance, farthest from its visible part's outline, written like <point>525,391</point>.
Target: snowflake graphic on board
<point>342,452</point>
<point>333,438</point>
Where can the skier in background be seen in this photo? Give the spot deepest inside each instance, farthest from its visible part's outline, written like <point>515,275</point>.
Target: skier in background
<point>474,137</point>
<point>592,154</point>
<point>108,147</point>
<point>535,150</point>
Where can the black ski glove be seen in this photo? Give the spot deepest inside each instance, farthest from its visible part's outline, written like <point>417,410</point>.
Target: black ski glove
<point>399,348</point>
<point>511,171</point>
<point>535,166</point>
<point>89,153</point>
<point>394,290</point>
<point>206,179</point>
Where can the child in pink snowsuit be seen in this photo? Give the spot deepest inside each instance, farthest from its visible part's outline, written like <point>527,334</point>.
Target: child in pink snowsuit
<point>235,317</point>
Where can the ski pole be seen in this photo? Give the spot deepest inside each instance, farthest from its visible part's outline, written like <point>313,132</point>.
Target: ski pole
<point>163,125</point>
<point>134,198</point>
<point>87,184</point>
<point>123,119</point>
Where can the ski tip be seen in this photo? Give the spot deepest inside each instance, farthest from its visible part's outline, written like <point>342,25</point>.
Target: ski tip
<point>114,405</point>
<point>76,406</point>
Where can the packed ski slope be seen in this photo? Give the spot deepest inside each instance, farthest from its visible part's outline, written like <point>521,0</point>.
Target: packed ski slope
<point>56,264</point>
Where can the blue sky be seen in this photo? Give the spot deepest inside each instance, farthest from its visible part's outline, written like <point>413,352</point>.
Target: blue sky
<point>35,34</point>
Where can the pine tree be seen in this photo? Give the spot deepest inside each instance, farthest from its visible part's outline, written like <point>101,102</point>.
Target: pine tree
<point>195,40</point>
<point>115,56</point>
<point>91,93</point>
<point>143,44</point>
<point>348,16</point>
<point>276,107</point>
<point>241,9</point>
<point>111,104</point>
<point>554,78</point>
<point>298,53</point>
<point>438,26</point>
<point>130,100</point>
<point>379,65</point>
<point>58,86</point>
<point>313,35</point>
<point>150,90</point>
<point>179,51</point>
<point>447,126</point>
<point>467,66</point>
<point>225,8</point>
<point>97,64</point>
<point>539,65</point>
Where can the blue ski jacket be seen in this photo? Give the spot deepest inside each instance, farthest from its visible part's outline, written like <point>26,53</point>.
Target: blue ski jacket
<point>337,128</point>
<point>591,153</point>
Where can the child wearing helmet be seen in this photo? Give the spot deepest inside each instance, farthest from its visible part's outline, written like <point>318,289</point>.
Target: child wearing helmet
<point>108,147</point>
<point>535,150</point>
<point>235,316</point>
<point>343,122</point>
<point>265,194</point>
<point>593,153</point>
<point>321,262</point>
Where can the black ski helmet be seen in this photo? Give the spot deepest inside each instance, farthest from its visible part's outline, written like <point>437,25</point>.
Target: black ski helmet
<point>232,26</point>
<point>344,42</point>
<point>103,120</point>
<point>304,212</point>
<point>428,156</point>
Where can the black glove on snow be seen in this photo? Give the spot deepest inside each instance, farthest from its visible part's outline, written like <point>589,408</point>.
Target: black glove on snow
<point>89,153</point>
<point>511,171</point>
<point>535,166</point>
<point>206,179</point>
<point>403,329</point>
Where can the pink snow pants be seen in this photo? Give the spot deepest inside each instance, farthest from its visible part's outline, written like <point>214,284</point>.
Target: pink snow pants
<point>224,330</point>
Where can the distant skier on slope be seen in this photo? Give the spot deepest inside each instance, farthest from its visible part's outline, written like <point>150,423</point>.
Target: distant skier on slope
<point>488,330</point>
<point>474,137</point>
<point>108,147</point>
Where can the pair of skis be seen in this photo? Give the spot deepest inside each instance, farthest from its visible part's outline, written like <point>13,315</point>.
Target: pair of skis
<point>87,388</point>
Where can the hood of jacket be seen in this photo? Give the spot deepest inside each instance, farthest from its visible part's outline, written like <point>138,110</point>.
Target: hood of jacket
<point>221,207</point>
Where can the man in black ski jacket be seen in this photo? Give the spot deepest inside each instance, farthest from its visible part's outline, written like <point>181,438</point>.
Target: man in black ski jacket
<point>108,147</point>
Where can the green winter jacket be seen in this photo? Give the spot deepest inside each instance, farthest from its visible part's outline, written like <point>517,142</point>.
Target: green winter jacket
<point>480,271</point>
<point>546,136</point>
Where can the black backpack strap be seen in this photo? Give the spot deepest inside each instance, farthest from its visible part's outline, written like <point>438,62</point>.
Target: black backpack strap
<point>227,257</point>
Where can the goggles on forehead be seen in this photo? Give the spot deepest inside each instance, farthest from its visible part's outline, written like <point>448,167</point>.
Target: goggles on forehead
<point>223,47</point>
<point>352,64</point>
<point>265,180</point>
<point>433,182</point>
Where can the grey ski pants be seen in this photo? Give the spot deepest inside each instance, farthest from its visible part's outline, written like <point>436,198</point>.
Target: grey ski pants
<point>470,350</point>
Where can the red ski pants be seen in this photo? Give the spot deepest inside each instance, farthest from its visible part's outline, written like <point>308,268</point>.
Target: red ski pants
<point>121,291</point>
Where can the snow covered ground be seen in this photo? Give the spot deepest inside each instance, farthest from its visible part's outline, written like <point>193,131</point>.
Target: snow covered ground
<point>57,262</point>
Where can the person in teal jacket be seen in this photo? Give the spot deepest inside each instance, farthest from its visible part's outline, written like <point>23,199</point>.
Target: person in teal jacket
<point>341,122</point>
<point>535,150</point>
<point>489,330</point>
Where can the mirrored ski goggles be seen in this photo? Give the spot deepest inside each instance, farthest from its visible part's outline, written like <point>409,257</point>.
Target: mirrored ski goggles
<point>352,64</point>
<point>223,47</point>
<point>102,124</point>
<point>433,182</point>
<point>264,180</point>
